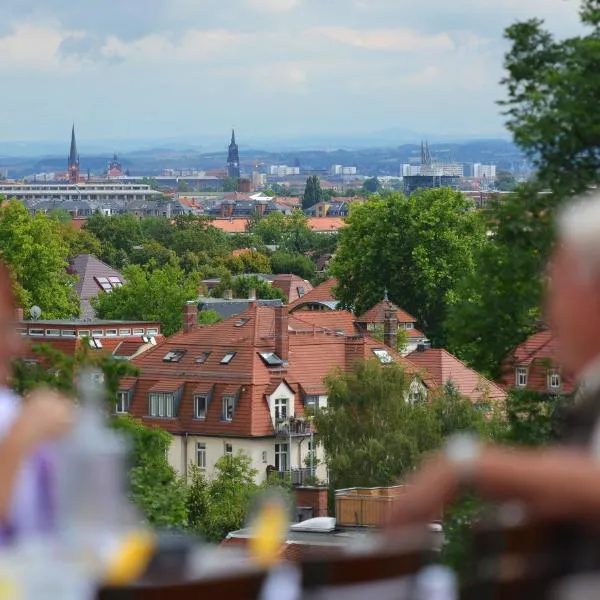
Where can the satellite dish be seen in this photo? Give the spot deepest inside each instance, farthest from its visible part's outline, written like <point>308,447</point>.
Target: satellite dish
<point>35,312</point>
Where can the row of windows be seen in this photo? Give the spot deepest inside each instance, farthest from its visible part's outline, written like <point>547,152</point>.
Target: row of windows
<point>522,377</point>
<point>281,455</point>
<point>164,404</point>
<point>93,333</point>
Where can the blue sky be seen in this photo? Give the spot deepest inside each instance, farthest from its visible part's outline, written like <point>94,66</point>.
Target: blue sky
<point>168,68</point>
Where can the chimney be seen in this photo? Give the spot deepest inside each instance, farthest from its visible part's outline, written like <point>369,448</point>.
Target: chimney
<point>190,316</point>
<point>282,336</point>
<point>390,328</point>
<point>19,315</point>
<point>252,294</point>
<point>228,295</point>
<point>315,498</point>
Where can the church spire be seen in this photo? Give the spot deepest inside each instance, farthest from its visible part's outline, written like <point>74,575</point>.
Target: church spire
<point>233,158</point>
<point>233,137</point>
<point>73,166</point>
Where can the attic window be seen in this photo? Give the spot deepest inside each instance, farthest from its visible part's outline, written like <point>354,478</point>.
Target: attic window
<point>301,291</point>
<point>202,358</point>
<point>271,359</point>
<point>384,356</point>
<point>173,356</point>
<point>241,322</point>
<point>228,358</point>
<point>408,326</point>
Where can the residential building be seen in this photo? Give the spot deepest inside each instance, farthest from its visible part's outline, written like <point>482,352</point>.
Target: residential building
<point>320,298</point>
<point>247,384</point>
<point>481,171</point>
<point>341,170</point>
<point>283,170</point>
<point>95,277</point>
<point>122,339</point>
<point>407,170</point>
<point>233,158</point>
<point>445,368</point>
<point>292,286</point>
<point>374,319</point>
<point>535,365</point>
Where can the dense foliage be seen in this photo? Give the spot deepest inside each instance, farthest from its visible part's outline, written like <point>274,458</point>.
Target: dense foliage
<point>417,248</point>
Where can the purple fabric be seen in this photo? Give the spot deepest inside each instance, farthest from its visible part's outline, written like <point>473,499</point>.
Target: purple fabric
<point>43,520</point>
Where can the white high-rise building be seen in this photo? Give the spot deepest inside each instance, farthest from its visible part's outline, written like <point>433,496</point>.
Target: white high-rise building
<point>407,170</point>
<point>283,170</point>
<point>342,170</point>
<point>481,171</point>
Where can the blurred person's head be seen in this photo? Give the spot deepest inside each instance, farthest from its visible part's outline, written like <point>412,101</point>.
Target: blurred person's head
<point>573,301</point>
<point>11,343</point>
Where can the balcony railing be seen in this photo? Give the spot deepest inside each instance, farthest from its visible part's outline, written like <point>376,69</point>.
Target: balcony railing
<point>305,476</point>
<point>294,426</point>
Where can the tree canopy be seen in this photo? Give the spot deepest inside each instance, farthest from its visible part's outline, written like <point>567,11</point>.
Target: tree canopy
<point>313,194</point>
<point>36,252</point>
<point>417,248</point>
<point>150,294</point>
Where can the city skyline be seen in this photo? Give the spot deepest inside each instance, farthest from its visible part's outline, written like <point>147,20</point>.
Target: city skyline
<point>268,67</point>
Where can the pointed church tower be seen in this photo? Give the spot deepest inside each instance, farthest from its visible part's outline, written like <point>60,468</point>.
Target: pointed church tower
<point>233,158</point>
<point>73,165</point>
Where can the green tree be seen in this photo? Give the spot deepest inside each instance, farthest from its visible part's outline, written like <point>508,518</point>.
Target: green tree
<point>154,485</point>
<point>36,254</point>
<point>151,182</point>
<point>313,194</point>
<point>220,504</point>
<point>152,252</point>
<point>292,262</point>
<point>505,181</point>
<point>370,433</point>
<point>243,285</point>
<point>248,262</point>
<point>150,294</point>
<point>417,248</point>
<point>183,186</point>
<point>230,184</point>
<point>209,317</point>
<point>118,235</point>
<point>372,185</point>
<point>552,87</point>
<point>497,305</point>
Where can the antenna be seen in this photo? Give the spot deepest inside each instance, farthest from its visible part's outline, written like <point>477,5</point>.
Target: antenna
<point>35,312</point>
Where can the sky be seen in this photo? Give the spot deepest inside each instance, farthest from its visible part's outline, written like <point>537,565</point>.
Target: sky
<point>129,69</point>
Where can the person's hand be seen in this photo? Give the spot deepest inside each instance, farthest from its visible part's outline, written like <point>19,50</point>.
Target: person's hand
<point>428,491</point>
<point>45,416</point>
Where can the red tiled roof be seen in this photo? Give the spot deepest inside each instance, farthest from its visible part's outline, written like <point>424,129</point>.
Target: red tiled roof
<point>314,352</point>
<point>290,285</point>
<point>334,320</point>
<point>539,353</point>
<point>325,224</point>
<point>444,367</point>
<point>166,386</point>
<point>128,349</point>
<point>377,314</point>
<point>322,293</point>
<point>230,225</point>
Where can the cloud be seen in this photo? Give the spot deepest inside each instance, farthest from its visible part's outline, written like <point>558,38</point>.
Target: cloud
<point>393,40</point>
<point>32,47</point>
<point>273,5</point>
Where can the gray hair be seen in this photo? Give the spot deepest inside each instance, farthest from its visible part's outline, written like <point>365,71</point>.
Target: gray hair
<point>579,229</point>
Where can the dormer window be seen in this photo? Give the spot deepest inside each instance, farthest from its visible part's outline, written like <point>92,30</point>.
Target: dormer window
<point>521,377</point>
<point>409,326</point>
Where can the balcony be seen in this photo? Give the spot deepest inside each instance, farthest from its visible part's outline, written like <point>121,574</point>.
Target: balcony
<point>298,477</point>
<point>294,427</point>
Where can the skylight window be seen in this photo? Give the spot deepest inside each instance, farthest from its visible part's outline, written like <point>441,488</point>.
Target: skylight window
<point>241,322</point>
<point>95,343</point>
<point>202,358</point>
<point>271,359</point>
<point>104,283</point>
<point>301,291</point>
<point>174,356</point>
<point>384,356</point>
<point>228,358</point>
<point>115,282</point>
